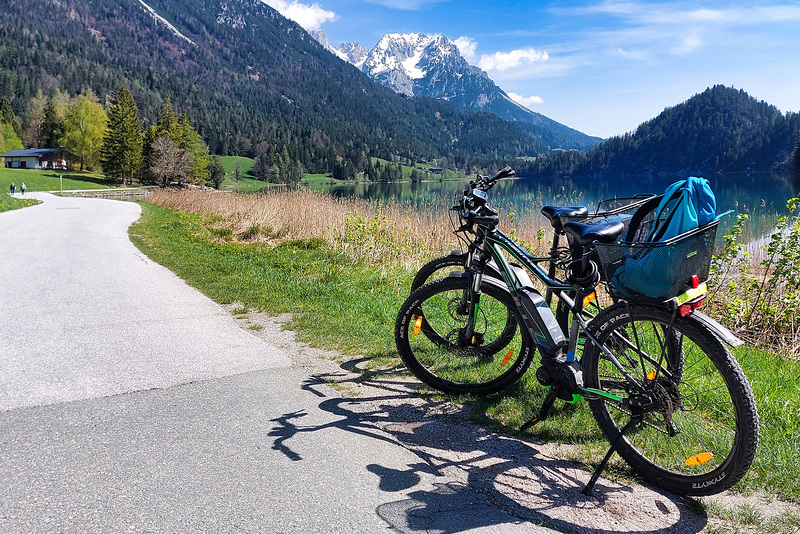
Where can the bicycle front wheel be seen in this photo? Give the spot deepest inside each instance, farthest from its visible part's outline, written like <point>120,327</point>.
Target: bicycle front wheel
<point>429,334</point>
<point>699,428</point>
<point>439,268</point>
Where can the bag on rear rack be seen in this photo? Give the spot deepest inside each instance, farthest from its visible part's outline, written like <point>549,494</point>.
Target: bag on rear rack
<point>670,239</point>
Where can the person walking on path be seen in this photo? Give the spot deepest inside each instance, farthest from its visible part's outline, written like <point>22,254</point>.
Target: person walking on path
<point>13,187</point>
<point>23,188</point>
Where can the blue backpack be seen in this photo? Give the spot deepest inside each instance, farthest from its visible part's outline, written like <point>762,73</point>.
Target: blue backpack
<point>686,205</point>
<point>649,271</point>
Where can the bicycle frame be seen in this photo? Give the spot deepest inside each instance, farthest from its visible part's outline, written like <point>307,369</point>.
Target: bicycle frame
<point>490,243</point>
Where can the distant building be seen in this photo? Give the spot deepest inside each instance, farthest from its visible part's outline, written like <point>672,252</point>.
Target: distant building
<point>36,158</point>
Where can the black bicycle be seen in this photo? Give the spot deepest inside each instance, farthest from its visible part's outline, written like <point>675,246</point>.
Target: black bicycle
<point>661,384</point>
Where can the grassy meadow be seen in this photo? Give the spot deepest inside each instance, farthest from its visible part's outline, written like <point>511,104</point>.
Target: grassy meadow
<point>342,267</point>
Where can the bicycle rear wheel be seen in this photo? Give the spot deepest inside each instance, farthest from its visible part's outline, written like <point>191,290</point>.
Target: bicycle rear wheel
<point>429,338</point>
<point>699,429</point>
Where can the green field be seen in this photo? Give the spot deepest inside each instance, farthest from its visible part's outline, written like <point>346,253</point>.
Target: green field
<point>49,180</point>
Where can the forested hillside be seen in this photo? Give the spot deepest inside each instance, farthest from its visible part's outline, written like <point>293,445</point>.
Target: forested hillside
<point>719,130</point>
<point>244,74</point>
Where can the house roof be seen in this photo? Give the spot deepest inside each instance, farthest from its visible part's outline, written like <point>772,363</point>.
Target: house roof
<point>28,152</point>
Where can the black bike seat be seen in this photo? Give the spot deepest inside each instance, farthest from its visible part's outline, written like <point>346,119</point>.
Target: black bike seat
<point>554,214</point>
<point>586,234</point>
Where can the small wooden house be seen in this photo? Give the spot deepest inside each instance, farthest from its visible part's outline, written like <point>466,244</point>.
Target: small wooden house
<point>36,158</point>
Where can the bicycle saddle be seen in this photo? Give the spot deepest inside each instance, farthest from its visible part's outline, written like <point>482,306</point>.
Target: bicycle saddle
<point>554,214</point>
<point>586,234</point>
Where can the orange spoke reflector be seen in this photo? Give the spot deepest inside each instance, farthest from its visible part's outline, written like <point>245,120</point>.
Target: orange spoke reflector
<point>651,375</point>
<point>589,298</point>
<point>698,459</point>
<point>417,325</point>
<point>507,359</point>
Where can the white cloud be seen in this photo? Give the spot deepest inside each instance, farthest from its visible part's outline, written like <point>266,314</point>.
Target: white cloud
<point>309,16</point>
<point>503,61</point>
<point>527,101</point>
<point>467,47</point>
<point>688,45</point>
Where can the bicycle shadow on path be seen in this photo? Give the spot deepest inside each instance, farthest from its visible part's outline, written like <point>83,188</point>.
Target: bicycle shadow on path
<point>518,476</point>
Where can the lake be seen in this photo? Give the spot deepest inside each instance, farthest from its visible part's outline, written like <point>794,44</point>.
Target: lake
<point>763,196</point>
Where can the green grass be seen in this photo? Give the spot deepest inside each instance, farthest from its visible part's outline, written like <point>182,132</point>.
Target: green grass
<point>48,180</point>
<point>245,164</point>
<point>43,180</point>
<point>341,304</point>
<point>323,292</point>
<point>7,202</point>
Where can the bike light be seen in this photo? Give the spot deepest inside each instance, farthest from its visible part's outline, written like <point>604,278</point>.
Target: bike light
<point>695,281</point>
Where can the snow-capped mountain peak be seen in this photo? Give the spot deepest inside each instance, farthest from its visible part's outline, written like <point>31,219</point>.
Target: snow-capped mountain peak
<point>355,52</point>
<point>415,64</point>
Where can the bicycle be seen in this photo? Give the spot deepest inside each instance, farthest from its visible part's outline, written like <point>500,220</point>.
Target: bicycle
<point>559,256</point>
<point>661,384</point>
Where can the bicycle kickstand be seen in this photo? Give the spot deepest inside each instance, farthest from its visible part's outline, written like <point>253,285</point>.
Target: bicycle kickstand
<point>635,420</point>
<point>549,399</point>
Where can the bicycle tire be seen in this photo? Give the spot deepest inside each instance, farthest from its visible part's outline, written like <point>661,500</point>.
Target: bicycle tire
<point>701,434</point>
<point>439,267</point>
<point>426,335</point>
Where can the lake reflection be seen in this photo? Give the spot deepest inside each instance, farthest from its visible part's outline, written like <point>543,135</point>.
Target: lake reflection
<point>763,196</point>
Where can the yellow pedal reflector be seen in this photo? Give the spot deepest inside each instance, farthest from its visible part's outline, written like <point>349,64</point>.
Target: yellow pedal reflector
<point>417,325</point>
<point>589,298</point>
<point>651,375</point>
<point>698,459</point>
<point>507,358</point>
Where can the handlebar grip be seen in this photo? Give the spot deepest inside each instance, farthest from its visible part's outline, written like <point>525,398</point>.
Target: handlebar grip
<point>484,183</point>
<point>503,173</point>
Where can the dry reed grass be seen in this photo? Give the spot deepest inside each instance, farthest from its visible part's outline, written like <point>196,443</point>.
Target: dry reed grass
<point>359,228</point>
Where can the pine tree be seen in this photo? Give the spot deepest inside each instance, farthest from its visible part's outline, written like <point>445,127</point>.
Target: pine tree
<point>8,116</point>
<point>191,142</point>
<point>121,154</point>
<point>216,172</point>
<point>52,127</point>
<point>168,122</point>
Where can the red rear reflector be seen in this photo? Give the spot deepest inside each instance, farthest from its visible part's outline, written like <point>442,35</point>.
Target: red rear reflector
<point>695,281</point>
<point>698,304</point>
<point>685,310</point>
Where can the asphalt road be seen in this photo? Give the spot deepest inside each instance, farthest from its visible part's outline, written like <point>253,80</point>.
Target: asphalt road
<point>131,402</point>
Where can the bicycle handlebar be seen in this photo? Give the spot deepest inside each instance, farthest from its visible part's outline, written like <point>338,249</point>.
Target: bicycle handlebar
<point>472,208</point>
<point>484,183</point>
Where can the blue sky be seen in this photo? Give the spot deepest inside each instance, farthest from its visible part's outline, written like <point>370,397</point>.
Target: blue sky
<point>602,67</point>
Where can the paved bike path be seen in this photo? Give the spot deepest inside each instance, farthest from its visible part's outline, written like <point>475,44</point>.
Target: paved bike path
<point>130,402</point>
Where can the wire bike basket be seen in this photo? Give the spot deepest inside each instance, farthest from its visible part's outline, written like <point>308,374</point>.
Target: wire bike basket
<point>658,270</point>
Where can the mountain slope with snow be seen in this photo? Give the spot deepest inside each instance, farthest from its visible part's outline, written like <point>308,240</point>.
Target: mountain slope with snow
<point>415,64</point>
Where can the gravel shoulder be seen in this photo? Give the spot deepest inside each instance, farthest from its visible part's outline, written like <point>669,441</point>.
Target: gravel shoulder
<point>527,478</point>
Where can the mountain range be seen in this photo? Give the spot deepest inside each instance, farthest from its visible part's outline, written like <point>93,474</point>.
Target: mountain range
<point>414,64</point>
<point>253,81</point>
<point>722,129</point>
<point>246,75</point>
